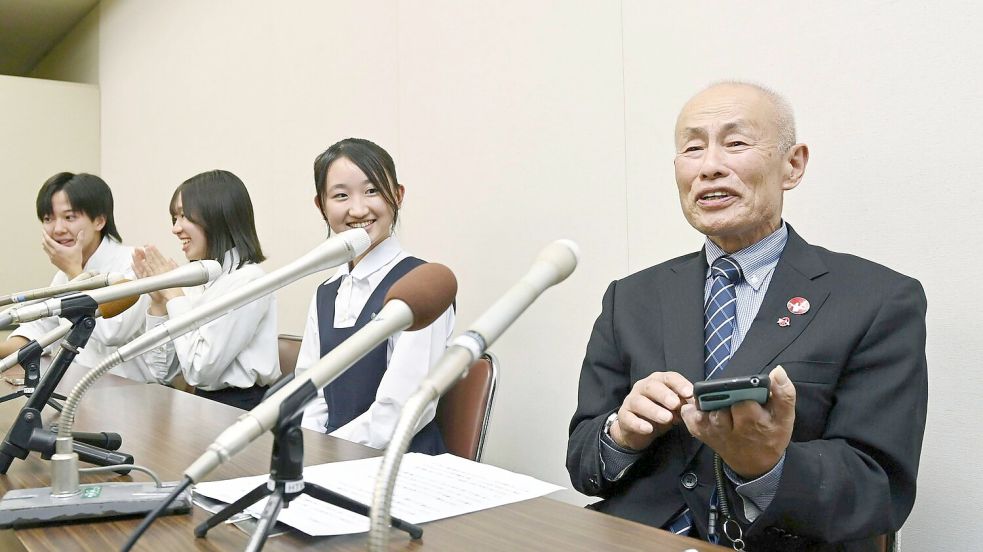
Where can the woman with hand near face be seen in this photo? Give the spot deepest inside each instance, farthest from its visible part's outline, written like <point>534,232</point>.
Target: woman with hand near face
<point>234,358</point>
<point>78,234</point>
<point>356,187</point>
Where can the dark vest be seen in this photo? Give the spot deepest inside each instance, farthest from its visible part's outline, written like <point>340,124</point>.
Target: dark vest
<point>351,394</point>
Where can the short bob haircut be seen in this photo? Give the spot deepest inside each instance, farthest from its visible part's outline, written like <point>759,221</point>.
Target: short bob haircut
<point>218,202</point>
<point>371,159</point>
<point>87,194</point>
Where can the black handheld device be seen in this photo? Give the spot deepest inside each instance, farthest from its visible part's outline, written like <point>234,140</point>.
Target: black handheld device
<point>721,393</point>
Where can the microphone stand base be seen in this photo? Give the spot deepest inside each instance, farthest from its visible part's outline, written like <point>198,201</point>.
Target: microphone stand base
<point>33,507</point>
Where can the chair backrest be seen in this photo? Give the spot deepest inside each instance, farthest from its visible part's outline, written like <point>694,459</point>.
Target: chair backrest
<point>888,542</point>
<point>289,346</point>
<point>463,412</point>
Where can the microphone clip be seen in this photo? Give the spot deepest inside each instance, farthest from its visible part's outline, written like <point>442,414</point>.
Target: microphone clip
<point>27,434</point>
<point>78,307</point>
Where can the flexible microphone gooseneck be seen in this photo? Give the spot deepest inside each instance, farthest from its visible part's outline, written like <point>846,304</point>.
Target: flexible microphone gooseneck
<point>553,265</point>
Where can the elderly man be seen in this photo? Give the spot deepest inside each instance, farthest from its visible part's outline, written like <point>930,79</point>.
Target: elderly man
<point>829,462</point>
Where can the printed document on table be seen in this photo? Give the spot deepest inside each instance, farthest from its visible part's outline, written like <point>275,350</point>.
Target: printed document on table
<point>428,488</point>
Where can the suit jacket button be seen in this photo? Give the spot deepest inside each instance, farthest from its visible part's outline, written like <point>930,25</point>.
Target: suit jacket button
<point>689,480</point>
<point>593,480</point>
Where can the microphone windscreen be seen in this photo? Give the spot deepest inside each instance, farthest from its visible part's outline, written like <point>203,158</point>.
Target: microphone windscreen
<point>563,256</point>
<point>428,290</point>
<point>112,308</point>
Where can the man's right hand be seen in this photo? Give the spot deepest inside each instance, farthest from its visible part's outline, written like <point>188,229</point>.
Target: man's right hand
<point>651,409</point>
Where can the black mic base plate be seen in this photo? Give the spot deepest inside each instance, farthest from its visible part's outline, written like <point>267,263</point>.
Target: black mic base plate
<point>33,507</point>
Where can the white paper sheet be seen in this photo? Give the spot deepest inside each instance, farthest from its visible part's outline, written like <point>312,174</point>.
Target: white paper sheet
<point>428,488</point>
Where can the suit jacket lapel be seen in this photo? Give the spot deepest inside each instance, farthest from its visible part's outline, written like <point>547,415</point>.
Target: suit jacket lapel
<point>682,318</point>
<point>796,275</point>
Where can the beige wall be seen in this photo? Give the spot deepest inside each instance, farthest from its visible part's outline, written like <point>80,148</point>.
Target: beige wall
<point>514,123</point>
<point>76,57</point>
<point>48,127</point>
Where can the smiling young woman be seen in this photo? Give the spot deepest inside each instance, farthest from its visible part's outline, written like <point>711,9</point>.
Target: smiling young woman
<point>356,187</point>
<point>232,359</point>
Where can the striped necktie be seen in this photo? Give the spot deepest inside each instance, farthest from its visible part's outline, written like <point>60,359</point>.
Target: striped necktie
<point>720,316</point>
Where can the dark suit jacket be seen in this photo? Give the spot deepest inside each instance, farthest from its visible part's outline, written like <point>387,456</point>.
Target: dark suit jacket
<point>857,359</point>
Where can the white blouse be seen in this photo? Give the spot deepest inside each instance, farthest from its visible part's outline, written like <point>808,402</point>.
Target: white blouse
<point>110,333</point>
<point>411,355</point>
<point>238,349</point>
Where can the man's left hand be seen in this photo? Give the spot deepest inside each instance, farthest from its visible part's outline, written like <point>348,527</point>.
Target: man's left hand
<point>751,438</point>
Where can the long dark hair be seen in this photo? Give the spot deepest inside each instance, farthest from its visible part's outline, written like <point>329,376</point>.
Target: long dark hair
<point>371,159</point>
<point>87,193</point>
<point>218,202</point>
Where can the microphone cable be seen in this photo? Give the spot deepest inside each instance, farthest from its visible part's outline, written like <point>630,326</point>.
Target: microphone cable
<point>153,515</point>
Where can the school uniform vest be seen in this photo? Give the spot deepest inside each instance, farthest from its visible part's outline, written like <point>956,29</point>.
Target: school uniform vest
<point>351,394</point>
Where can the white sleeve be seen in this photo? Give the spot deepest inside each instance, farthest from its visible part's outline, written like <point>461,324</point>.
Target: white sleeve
<point>161,359</point>
<point>206,352</point>
<point>413,355</point>
<point>316,412</point>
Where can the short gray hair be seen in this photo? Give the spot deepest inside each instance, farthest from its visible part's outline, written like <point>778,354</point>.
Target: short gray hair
<point>784,116</point>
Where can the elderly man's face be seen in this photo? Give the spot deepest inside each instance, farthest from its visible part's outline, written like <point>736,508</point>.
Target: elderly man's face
<point>729,171</point>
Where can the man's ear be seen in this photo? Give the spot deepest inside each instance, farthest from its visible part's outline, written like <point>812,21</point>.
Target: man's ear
<point>795,165</point>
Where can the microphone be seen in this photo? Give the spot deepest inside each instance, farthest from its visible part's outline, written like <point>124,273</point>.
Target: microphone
<point>76,284</point>
<point>413,302</point>
<point>64,326</point>
<point>333,252</point>
<point>553,265</point>
<point>191,274</point>
<point>115,307</point>
<point>105,310</point>
<point>64,499</point>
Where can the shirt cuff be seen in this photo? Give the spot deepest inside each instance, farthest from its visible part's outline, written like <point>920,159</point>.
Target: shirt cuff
<point>157,358</point>
<point>178,305</point>
<point>615,459</point>
<point>757,494</point>
<point>152,321</point>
